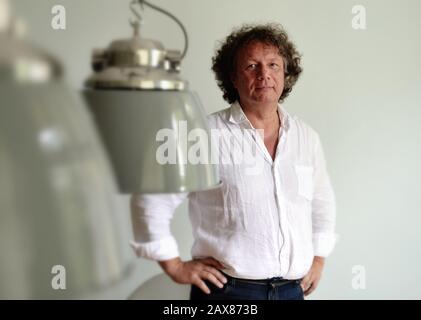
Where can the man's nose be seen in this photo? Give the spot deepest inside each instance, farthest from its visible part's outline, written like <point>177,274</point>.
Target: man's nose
<point>263,73</point>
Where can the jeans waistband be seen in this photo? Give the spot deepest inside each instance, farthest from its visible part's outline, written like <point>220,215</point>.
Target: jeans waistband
<point>274,282</point>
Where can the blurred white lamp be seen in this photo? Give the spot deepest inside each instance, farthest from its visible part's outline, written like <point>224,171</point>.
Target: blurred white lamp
<point>4,15</point>
<point>134,93</point>
<point>57,212</point>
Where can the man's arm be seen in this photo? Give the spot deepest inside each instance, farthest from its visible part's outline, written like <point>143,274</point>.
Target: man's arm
<point>323,206</point>
<point>151,218</point>
<point>323,220</point>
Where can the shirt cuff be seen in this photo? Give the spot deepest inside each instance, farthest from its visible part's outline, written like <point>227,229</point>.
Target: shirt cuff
<point>159,250</point>
<point>323,243</point>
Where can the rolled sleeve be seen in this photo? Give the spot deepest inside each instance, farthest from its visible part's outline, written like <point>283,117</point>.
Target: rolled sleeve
<point>151,222</point>
<point>163,249</point>
<point>323,244</point>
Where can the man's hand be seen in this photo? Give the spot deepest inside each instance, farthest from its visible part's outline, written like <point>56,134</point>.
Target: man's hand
<point>312,278</point>
<point>195,272</point>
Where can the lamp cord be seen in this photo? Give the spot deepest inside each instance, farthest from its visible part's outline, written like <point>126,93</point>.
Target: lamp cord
<point>186,39</point>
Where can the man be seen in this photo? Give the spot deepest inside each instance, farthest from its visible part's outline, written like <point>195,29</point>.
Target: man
<point>264,234</point>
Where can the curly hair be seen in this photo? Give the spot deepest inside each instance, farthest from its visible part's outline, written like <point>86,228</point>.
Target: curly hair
<point>223,63</point>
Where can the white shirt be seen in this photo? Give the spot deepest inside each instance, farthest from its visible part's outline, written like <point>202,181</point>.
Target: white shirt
<point>262,223</point>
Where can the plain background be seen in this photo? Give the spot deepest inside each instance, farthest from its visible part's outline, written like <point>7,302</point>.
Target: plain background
<point>360,90</point>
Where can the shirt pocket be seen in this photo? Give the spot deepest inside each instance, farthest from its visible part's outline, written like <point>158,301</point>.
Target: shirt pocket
<point>305,184</point>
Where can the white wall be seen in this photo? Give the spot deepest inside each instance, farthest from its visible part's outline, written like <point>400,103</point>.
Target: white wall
<point>360,90</point>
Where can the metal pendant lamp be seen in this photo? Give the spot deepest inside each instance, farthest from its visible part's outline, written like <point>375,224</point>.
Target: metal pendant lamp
<point>56,185</point>
<point>135,92</point>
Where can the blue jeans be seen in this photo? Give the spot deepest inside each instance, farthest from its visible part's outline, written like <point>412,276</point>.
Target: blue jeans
<point>237,289</point>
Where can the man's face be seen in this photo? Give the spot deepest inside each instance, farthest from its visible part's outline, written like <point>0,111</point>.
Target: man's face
<point>259,73</point>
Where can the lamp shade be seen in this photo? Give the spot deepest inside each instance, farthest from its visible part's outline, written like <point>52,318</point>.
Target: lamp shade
<point>60,234</point>
<point>138,125</point>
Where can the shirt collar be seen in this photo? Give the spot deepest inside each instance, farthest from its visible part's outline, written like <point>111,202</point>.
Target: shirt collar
<point>236,115</point>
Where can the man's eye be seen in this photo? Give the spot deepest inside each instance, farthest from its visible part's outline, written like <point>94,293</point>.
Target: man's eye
<point>274,65</point>
<point>252,66</point>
